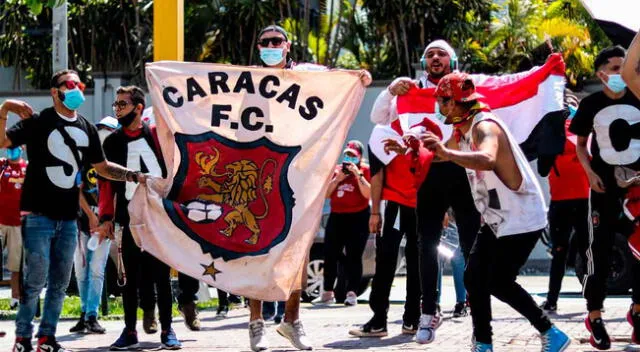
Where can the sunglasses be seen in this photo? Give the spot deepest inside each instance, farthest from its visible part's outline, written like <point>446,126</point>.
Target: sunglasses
<point>72,85</point>
<point>120,104</point>
<point>276,41</point>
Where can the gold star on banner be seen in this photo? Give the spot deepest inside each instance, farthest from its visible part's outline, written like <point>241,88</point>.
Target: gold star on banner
<point>210,270</point>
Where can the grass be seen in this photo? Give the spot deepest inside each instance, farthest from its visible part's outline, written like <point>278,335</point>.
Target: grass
<point>71,308</point>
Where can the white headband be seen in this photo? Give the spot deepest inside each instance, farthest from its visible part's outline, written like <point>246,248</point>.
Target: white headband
<point>441,44</point>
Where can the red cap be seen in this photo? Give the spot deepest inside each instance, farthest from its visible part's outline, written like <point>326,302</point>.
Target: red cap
<point>355,148</point>
<point>457,86</point>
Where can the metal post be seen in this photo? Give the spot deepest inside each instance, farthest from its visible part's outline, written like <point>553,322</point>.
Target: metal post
<point>60,58</point>
<point>168,30</point>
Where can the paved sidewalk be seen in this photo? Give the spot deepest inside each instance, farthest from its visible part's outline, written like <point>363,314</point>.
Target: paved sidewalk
<point>328,327</point>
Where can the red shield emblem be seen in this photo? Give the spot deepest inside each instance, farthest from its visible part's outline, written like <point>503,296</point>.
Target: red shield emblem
<point>232,198</point>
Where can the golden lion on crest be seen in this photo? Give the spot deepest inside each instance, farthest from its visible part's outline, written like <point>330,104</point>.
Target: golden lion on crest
<point>238,189</point>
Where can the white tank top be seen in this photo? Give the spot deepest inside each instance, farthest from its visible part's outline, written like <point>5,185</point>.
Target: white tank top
<point>507,212</point>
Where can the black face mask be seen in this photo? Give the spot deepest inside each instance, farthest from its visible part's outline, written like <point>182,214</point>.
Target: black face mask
<point>127,119</point>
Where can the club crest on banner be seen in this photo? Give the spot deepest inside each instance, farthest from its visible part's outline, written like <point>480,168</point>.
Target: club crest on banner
<point>232,198</point>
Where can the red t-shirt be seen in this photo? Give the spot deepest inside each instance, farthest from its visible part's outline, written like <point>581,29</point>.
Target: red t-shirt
<point>570,181</point>
<point>11,182</point>
<point>397,182</point>
<point>347,197</point>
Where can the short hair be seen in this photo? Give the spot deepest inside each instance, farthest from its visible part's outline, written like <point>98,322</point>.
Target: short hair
<point>606,54</point>
<point>274,28</point>
<point>135,92</point>
<point>56,76</point>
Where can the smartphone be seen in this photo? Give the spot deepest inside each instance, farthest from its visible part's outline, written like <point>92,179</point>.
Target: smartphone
<point>345,170</point>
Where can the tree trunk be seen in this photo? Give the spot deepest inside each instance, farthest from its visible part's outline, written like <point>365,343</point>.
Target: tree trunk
<point>334,48</point>
<point>394,30</point>
<point>253,44</point>
<point>328,35</point>
<point>405,42</point>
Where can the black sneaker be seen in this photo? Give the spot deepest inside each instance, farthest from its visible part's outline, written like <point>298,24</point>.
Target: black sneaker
<point>127,340</point>
<point>409,328</point>
<point>80,325</point>
<point>22,344</point>
<point>49,344</point>
<point>634,320</point>
<point>371,329</point>
<point>599,337</point>
<point>460,310</point>
<point>549,307</point>
<point>93,327</point>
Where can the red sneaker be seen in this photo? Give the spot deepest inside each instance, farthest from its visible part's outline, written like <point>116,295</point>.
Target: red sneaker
<point>634,320</point>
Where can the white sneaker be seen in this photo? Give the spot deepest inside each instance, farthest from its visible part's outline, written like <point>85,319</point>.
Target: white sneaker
<point>351,300</point>
<point>325,299</point>
<point>427,329</point>
<point>257,336</point>
<point>295,334</point>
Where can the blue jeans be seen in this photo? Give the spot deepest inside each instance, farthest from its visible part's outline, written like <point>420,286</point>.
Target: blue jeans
<point>90,274</point>
<point>457,269</point>
<point>48,258</point>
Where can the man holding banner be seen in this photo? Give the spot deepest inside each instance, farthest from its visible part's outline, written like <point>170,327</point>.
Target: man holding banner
<point>249,152</point>
<point>528,97</point>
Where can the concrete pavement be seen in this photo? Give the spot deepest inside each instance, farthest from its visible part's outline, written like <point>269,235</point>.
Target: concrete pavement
<point>328,327</point>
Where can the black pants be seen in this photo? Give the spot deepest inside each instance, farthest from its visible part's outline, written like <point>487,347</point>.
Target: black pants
<point>565,216</point>
<point>494,264</point>
<point>446,186</point>
<point>387,247</point>
<point>346,232</point>
<point>606,217</point>
<point>188,289</point>
<point>137,265</point>
<point>224,298</point>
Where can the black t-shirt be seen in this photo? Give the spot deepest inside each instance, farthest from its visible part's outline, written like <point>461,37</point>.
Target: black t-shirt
<point>51,185</point>
<point>604,117</point>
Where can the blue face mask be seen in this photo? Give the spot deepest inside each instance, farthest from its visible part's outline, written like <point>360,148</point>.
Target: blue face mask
<point>271,56</point>
<point>14,154</point>
<point>616,84</point>
<point>350,159</point>
<point>73,99</point>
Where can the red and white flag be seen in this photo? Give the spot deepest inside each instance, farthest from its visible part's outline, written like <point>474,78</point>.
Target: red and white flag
<point>249,154</point>
<point>521,100</point>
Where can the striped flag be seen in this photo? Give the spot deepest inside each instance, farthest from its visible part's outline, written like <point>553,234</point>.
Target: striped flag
<point>523,101</point>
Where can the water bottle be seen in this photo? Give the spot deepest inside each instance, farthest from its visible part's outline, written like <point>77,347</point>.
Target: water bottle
<point>93,242</point>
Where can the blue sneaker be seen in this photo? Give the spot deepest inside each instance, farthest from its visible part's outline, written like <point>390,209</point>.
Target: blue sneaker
<point>169,340</point>
<point>128,340</point>
<point>481,347</point>
<point>554,340</point>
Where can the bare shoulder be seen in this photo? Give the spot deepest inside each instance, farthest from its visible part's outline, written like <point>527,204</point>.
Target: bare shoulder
<point>485,129</point>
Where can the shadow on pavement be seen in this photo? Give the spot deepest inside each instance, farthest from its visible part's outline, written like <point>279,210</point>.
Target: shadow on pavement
<point>369,342</point>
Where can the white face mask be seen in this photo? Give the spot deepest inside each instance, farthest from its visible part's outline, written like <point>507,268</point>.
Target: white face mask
<point>102,134</point>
